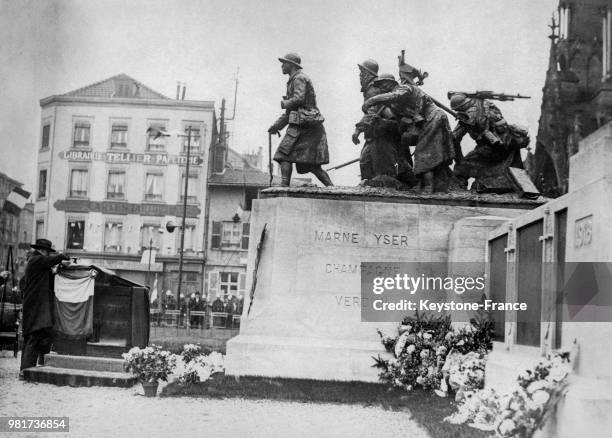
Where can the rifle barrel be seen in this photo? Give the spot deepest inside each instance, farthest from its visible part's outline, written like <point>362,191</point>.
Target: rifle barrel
<point>343,164</point>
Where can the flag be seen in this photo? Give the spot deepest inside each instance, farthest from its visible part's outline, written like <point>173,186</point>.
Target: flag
<point>145,256</point>
<point>15,201</point>
<point>154,293</point>
<point>74,292</point>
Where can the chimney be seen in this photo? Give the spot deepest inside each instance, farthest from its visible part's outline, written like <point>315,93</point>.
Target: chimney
<point>178,90</point>
<point>184,89</point>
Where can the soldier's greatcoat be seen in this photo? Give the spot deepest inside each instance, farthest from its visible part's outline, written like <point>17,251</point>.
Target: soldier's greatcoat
<point>434,147</point>
<point>305,145</point>
<point>482,116</point>
<point>365,159</point>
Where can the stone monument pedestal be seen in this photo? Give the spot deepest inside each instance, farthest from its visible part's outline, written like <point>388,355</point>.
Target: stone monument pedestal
<point>305,319</point>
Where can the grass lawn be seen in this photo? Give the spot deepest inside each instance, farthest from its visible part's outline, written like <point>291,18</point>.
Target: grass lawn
<point>427,409</point>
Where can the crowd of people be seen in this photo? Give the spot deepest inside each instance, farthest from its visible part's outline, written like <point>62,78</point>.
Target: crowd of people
<point>190,307</point>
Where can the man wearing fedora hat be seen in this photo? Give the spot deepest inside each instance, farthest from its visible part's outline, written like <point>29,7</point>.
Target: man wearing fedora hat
<point>38,302</point>
<point>305,141</point>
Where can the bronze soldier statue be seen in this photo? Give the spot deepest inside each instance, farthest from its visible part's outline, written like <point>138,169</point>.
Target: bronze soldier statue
<point>368,73</point>
<point>423,125</point>
<point>498,143</point>
<point>381,127</point>
<point>305,141</point>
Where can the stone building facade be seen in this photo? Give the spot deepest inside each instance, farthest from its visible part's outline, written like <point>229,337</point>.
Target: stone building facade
<point>107,187</point>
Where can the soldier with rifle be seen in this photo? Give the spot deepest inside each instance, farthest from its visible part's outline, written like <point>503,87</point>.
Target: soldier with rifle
<point>498,143</point>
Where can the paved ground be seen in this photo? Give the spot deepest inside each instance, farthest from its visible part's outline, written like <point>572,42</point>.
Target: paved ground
<point>114,412</point>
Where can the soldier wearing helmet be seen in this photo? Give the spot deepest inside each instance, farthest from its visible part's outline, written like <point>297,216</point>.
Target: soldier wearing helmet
<point>305,141</point>
<point>380,127</point>
<point>368,72</point>
<point>498,143</point>
<point>423,125</point>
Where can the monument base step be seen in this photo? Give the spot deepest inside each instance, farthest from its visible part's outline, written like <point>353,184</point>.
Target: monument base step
<point>74,377</point>
<point>84,362</point>
<point>319,359</point>
<point>105,349</point>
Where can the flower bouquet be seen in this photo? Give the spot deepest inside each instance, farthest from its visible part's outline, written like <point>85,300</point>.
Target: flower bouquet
<point>150,364</point>
<point>195,366</point>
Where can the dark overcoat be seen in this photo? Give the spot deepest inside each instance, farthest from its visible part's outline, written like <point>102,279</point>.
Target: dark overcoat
<point>435,144</point>
<point>38,292</point>
<point>304,145</point>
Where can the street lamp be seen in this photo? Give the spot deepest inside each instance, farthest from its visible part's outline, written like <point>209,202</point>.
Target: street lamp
<point>152,130</point>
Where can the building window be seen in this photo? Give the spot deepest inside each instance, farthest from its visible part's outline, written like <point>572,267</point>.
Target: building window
<point>150,236</point>
<point>246,228</point>
<point>124,89</point>
<point>115,189</point>
<point>113,236</point>
<point>195,139</point>
<point>230,235</point>
<point>46,131</point>
<point>606,37</point>
<point>190,243</point>
<point>153,187</point>
<point>192,189</point>
<point>119,135</point>
<point>40,229</point>
<point>228,283</point>
<point>156,144</point>
<point>81,135</point>
<point>42,184</point>
<point>78,183</point>
<point>76,234</point>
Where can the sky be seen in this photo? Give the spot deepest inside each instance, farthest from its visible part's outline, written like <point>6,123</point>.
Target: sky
<point>51,47</point>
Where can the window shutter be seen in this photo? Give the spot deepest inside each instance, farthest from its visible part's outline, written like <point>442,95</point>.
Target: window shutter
<point>246,226</point>
<point>215,240</point>
<point>241,284</point>
<point>213,284</point>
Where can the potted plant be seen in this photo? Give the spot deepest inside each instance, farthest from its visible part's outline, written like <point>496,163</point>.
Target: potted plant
<point>151,365</point>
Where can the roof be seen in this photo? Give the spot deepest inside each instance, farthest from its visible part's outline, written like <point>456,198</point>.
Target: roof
<point>123,89</point>
<point>248,177</point>
<point>10,180</point>
<point>111,88</point>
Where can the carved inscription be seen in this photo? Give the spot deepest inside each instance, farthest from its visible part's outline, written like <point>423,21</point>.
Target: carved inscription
<point>352,238</point>
<point>336,237</point>
<point>338,268</point>
<point>391,239</point>
<point>583,232</point>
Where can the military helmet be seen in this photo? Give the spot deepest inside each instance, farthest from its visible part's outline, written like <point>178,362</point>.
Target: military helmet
<point>385,77</point>
<point>370,66</point>
<point>459,101</point>
<point>292,58</point>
